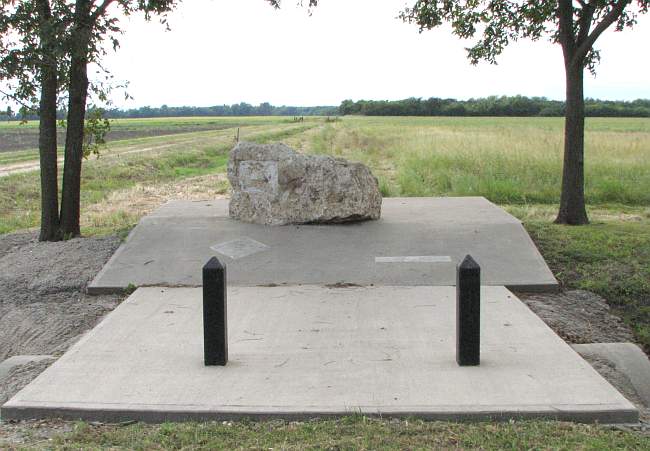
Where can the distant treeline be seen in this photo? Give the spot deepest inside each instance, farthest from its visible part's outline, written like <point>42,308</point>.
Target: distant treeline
<point>239,109</point>
<point>488,106</point>
<point>492,106</point>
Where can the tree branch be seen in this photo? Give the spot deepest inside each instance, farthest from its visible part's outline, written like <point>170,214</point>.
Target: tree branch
<point>609,19</point>
<point>584,23</point>
<point>17,100</point>
<point>101,9</point>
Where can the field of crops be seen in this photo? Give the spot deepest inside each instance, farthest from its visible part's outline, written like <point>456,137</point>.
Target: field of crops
<point>18,141</point>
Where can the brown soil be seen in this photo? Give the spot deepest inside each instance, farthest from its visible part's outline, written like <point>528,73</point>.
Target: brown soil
<point>27,138</point>
<point>579,316</point>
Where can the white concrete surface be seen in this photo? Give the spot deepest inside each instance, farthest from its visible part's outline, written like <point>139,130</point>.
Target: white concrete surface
<point>169,247</point>
<point>306,351</point>
<point>627,358</point>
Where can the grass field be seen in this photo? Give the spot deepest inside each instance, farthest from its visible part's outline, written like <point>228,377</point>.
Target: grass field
<point>515,162</point>
<point>508,160</point>
<point>353,433</point>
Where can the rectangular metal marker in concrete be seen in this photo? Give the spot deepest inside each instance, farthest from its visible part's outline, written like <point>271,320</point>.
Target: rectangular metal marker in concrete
<point>308,351</point>
<point>414,259</point>
<point>422,238</point>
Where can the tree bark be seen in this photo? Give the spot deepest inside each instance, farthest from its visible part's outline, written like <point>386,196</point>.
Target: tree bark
<point>47,142</point>
<point>572,200</point>
<point>78,94</point>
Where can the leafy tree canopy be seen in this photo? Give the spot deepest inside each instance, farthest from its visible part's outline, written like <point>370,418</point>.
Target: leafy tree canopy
<point>23,55</point>
<point>498,22</point>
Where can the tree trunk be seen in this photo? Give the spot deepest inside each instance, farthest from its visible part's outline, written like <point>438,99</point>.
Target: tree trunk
<point>572,200</point>
<point>78,93</point>
<point>50,227</point>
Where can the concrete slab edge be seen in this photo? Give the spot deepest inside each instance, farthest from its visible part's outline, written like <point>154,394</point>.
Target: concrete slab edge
<point>628,358</point>
<point>108,415</point>
<point>96,291</point>
<point>532,288</point>
<point>524,288</point>
<point>90,288</point>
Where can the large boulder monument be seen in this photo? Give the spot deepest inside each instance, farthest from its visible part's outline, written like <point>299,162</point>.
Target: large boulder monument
<point>274,185</point>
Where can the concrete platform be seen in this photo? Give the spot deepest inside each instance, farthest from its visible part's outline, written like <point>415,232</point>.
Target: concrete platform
<point>628,359</point>
<point>417,242</point>
<point>311,351</point>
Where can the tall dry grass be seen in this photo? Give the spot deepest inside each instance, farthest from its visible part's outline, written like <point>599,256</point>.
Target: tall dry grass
<point>507,160</point>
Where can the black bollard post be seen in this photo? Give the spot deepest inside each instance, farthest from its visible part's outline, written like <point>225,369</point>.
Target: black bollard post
<point>468,313</point>
<point>215,313</point>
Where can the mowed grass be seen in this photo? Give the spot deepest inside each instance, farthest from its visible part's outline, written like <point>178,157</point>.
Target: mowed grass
<point>354,432</point>
<point>610,256</point>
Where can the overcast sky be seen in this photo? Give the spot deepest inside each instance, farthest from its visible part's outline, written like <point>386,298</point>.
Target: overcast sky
<point>228,51</point>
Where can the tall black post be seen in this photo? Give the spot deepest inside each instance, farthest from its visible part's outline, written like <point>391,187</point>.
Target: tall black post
<point>215,313</point>
<point>468,313</point>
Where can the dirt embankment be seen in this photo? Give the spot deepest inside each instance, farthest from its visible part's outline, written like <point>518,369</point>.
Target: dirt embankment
<point>43,305</point>
<point>579,316</point>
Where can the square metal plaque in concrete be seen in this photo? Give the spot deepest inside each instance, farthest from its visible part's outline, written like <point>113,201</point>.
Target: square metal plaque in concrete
<point>307,351</point>
<point>417,241</point>
<point>239,248</point>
